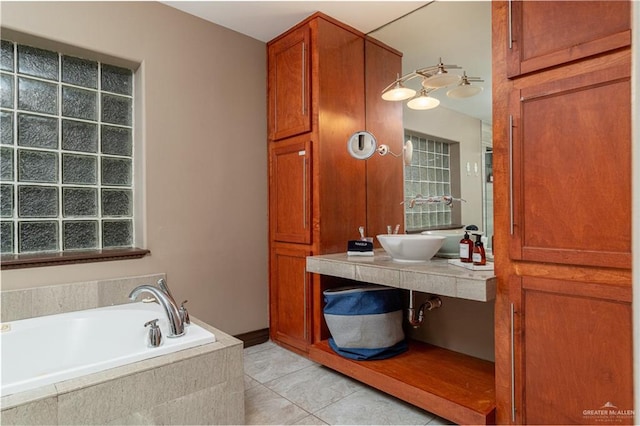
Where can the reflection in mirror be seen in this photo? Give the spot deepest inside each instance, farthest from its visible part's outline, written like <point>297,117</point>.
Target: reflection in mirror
<point>433,172</point>
<point>459,32</point>
<point>431,79</point>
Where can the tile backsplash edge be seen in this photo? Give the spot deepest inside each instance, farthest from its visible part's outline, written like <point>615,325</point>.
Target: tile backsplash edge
<point>60,298</point>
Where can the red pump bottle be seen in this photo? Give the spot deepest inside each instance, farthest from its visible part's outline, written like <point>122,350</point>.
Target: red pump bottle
<point>466,249</point>
<point>479,255</point>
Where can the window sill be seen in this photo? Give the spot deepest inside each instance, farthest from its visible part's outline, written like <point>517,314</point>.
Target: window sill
<point>20,261</point>
<point>455,226</point>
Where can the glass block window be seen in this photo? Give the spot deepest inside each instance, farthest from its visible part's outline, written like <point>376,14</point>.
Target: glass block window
<point>66,152</point>
<point>429,175</point>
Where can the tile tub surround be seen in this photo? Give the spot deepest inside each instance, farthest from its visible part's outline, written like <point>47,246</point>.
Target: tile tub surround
<point>58,299</point>
<point>200,385</point>
<point>436,276</point>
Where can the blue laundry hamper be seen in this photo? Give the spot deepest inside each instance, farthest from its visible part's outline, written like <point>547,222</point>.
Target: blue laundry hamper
<point>365,321</point>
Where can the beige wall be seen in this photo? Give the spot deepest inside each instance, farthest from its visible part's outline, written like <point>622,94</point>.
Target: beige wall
<point>203,134</point>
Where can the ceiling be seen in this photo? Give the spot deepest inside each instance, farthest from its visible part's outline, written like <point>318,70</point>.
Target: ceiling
<point>457,31</point>
<point>264,20</point>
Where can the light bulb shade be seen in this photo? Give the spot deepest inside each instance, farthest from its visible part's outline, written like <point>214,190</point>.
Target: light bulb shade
<point>398,93</point>
<point>422,102</point>
<point>441,79</point>
<point>464,91</point>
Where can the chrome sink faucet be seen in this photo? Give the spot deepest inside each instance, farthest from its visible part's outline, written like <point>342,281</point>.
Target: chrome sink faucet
<point>176,325</point>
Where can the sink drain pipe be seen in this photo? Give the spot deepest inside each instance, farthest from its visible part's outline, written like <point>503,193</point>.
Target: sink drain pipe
<point>429,304</point>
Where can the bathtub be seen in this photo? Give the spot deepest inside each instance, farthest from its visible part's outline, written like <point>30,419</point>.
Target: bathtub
<point>48,349</point>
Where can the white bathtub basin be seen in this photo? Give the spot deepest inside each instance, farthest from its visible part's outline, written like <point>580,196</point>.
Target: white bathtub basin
<point>44,350</point>
<point>411,247</point>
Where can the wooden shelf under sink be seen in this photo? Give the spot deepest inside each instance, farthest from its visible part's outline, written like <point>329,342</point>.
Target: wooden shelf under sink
<point>452,385</point>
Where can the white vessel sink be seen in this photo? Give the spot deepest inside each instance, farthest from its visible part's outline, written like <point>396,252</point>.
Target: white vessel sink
<point>411,248</point>
<point>451,245</point>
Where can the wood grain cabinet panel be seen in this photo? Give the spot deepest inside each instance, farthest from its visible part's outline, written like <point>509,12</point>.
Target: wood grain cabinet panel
<point>549,33</point>
<point>317,194</point>
<point>290,190</point>
<point>562,212</point>
<point>571,168</point>
<point>385,176</point>
<point>574,353</point>
<point>290,319</point>
<point>288,85</point>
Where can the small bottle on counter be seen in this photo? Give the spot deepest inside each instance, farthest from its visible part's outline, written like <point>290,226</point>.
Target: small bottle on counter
<point>466,248</point>
<point>479,255</point>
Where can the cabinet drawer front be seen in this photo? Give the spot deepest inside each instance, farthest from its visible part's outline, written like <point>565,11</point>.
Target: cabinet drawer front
<point>571,167</point>
<point>549,33</point>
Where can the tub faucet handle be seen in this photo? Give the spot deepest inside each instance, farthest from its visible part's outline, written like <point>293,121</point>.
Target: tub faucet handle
<point>155,335</point>
<point>184,314</point>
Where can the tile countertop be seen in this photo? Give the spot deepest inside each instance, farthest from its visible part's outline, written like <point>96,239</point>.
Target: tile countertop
<point>436,276</point>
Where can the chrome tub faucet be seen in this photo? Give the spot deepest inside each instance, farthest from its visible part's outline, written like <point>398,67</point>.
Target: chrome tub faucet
<point>176,324</point>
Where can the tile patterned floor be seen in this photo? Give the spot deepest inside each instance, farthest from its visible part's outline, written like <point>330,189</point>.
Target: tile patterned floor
<point>284,388</point>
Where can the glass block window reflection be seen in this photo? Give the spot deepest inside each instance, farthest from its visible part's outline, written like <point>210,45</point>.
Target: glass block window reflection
<point>429,175</point>
<point>66,152</point>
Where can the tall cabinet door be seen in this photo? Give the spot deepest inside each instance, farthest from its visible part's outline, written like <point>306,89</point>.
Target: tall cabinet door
<point>571,169</point>
<point>548,33</point>
<point>288,85</point>
<point>562,212</point>
<point>289,297</point>
<point>290,190</point>
<point>574,351</point>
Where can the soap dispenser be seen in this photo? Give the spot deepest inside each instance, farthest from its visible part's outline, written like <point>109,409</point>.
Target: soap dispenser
<point>479,256</point>
<point>466,248</point>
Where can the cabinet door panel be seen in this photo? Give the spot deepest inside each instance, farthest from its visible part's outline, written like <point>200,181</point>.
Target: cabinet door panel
<point>289,297</point>
<point>290,190</point>
<point>289,88</point>
<point>550,33</point>
<point>571,163</point>
<point>576,355</point>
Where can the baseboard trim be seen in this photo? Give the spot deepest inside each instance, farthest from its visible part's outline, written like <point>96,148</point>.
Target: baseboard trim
<point>253,338</point>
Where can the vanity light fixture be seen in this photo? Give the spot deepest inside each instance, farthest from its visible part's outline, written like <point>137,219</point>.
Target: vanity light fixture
<point>398,93</point>
<point>423,101</point>
<point>441,78</point>
<point>433,78</point>
<point>464,89</point>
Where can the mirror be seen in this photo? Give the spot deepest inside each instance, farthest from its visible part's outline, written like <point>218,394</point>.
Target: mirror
<point>459,32</point>
<point>362,145</point>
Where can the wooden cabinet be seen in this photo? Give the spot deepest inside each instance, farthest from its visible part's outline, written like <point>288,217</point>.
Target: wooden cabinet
<point>290,190</point>
<point>571,164</point>
<point>573,348</point>
<point>546,34</point>
<point>385,183</point>
<point>562,148</point>
<point>290,313</point>
<point>317,191</point>
<point>289,90</point>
